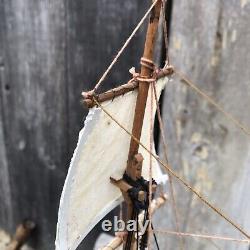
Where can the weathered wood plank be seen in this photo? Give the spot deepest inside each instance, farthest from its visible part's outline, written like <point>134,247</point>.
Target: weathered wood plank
<point>35,111</point>
<point>49,52</point>
<point>209,42</point>
<point>96,31</point>
<point>5,193</point>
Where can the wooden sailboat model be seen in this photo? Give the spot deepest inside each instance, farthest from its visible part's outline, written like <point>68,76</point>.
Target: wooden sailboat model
<point>95,181</point>
<point>115,157</point>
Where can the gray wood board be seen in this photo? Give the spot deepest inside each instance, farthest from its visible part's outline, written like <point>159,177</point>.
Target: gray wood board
<point>210,43</point>
<point>49,52</point>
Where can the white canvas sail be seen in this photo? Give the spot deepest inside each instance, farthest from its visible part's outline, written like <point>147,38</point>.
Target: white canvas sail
<point>101,152</point>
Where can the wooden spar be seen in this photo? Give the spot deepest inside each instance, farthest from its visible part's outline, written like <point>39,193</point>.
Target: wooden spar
<point>146,72</point>
<point>134,166</point>
<point>157,203</point>
<point>110,94</point>
<point>121,90</point>
<point>23,232</point>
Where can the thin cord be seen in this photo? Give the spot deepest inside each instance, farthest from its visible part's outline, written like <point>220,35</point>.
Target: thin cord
<point>156,241</point>
<point>150,166</point>
<point>123,47</point>
<point>193,86</point>
<point>214,103</point>
<point>212,242</point>
<point>137,232</point>
<point>164,141</point>
<point>169,168</point>
<point>215,237</point>
<point>171,185</point>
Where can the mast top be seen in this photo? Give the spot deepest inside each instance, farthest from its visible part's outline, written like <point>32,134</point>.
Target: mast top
<point>147,69</point>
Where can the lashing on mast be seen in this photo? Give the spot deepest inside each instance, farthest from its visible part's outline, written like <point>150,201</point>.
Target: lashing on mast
<point>134,187</point>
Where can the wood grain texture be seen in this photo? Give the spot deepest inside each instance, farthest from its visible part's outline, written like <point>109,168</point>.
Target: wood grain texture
<point>145,72</point>
<point>209,42</point>
<point>96,31</point>
<point>49,52</point>
<point>5,194</point>
<point>34,111</point>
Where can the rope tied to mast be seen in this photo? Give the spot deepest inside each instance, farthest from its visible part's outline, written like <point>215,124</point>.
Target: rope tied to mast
<point>139,205</point>
<point>147,63</point>
<point>156,72</point>
<point>131,85</point>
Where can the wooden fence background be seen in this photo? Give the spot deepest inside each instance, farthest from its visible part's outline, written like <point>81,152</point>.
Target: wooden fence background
<point>210,44</point>
<point>51,50</point>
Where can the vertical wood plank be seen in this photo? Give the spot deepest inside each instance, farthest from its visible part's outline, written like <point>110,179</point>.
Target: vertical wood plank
<point>5,192</point>
<point>49,52</point>
<point>96,31</point>
<point>35,111</point>
<point>209,42</point>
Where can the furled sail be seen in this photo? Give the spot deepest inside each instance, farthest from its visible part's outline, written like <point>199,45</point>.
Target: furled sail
<point>101,152</point>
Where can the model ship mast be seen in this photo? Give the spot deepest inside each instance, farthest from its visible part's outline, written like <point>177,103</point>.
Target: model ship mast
<point>126,169</point>
<point>147,68</point>
<point>134,162</point>
<point>101,123</point>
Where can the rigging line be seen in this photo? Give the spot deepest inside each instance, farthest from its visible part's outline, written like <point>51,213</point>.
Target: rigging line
<point>124,47</point>
<point>156,241</point>
<point>164,141</point>
<point>211,241</point>
<point>150,167</point>
<point>137,232</point>
<point>169,168</point>
<point>165,151</point>
<point>215,244</point>
<point>229,116</point>
<point>215,237</point>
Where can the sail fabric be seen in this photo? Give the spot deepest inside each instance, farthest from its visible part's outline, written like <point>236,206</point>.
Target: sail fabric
<point>101,153</point>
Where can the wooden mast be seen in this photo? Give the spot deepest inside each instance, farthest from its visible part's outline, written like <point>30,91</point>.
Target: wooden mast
<point>146,72</point>
<point>134,159</point>
<point>147,68</point>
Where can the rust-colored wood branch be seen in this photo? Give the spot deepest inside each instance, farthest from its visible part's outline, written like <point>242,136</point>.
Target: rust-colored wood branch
<point>23,232</point>
<point>117,241</point>
<point>146,72</point>
<point>121,90</point>
<point>110,94</point>
<point>167,71</point>
<point>147,69</point>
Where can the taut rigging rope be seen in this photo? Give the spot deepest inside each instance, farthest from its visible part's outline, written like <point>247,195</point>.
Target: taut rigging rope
<point>124,47</point>
<point>229,116</point>
<point>215,237</point>
<point>171,185</point>
<point>168,168</point>
<point>201,93</point>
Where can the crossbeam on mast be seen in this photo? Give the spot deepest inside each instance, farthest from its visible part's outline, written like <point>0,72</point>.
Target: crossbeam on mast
<point>131,85</point>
